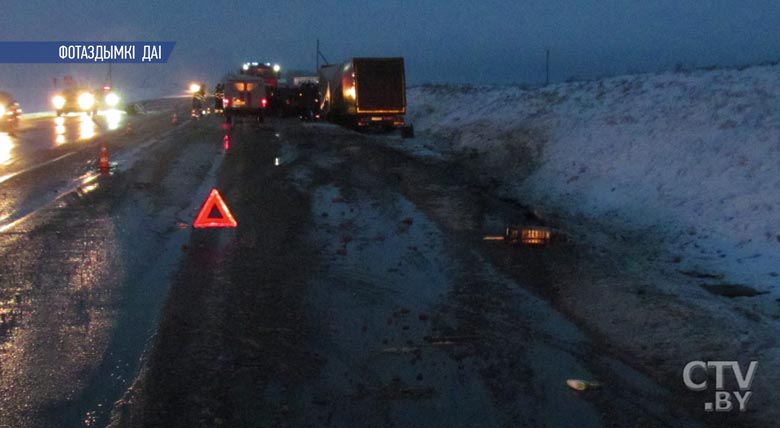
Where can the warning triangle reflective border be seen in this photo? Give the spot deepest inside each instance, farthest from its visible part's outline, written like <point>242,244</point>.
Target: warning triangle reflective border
<point>225,218</point>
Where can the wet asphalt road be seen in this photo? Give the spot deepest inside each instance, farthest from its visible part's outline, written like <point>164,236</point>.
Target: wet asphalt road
<point>357,287</point>
<point>356,291</point>
<point>85,257</point>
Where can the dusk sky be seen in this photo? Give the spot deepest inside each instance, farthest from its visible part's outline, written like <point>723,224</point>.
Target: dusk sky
<point>488,41</point>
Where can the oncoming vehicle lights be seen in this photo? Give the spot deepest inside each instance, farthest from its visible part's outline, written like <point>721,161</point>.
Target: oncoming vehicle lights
<point>112,99</point>
<point>58,102</point>
<point>86,100</point>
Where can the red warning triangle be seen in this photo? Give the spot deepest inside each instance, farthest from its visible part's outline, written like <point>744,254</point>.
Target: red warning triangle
<point>204,219</point>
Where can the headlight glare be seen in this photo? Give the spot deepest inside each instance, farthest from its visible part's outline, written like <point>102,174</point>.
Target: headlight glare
<point>112,99</point>
<point>86,101</point>
<point>58,101</point>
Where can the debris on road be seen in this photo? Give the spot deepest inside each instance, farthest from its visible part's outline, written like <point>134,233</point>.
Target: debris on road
<point>494,238</point>
<point>536,236</point>
<point>582,385</point>
<point>401,350</point>
<point>701,275</point>
<point>528,235</point>
<point>449,340</point>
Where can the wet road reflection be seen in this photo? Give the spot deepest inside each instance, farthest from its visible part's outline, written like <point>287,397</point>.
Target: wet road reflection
<point>86,128</point>
<point>39,147</point>
<point>41,134</point>
<point>59,130</point>
<point>69,129</point>
<point>6,146</point>
<point>73,128</point>
<point>113,119</point>
<point>59,315</point>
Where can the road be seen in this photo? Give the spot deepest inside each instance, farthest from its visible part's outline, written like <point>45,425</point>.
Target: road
<point>357,287</point>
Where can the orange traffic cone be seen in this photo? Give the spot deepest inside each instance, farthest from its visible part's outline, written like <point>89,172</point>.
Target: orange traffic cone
<point>174,119</point>
<point>103,163</point>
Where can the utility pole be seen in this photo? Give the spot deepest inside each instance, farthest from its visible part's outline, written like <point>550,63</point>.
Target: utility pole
<point>320,55</point>
<point>547,67</point>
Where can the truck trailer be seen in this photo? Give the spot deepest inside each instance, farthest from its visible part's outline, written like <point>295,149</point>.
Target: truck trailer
<point>365,93</point>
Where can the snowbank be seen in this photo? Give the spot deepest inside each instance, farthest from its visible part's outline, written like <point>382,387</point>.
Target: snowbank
<point>689,161</point>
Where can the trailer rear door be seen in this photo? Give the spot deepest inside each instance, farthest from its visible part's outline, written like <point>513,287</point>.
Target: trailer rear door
<point>380,85</point>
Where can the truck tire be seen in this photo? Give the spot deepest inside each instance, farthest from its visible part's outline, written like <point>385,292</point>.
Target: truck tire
<point>407,131</point>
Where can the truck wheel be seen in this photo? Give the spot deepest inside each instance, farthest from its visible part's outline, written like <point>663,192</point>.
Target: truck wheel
<point>407,131</point>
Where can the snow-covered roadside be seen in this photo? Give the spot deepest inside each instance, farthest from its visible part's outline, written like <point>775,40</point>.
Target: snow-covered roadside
<point>688,160</point>
<point>669,181</point>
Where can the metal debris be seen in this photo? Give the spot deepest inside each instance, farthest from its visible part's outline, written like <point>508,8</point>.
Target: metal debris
<point>582,385</point>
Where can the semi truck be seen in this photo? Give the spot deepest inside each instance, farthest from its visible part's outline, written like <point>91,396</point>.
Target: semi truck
<point>365,93</point>
<point>244,95</point>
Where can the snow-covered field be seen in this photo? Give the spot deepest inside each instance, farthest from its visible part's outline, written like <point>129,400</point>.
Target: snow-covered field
<point>689,162</point>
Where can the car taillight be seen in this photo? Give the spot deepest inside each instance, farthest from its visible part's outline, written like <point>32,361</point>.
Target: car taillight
<point>225,102</point>
<point>263,102</point>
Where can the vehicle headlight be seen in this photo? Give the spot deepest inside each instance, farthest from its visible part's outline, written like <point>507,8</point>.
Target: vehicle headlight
<point>86,101</point>
<point>2,110</point>
<point>112,99</point>
<point>58,101</point>
<point>194,88</point>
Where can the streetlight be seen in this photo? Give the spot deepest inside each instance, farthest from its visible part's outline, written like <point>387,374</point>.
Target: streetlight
<point>277,70</point>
